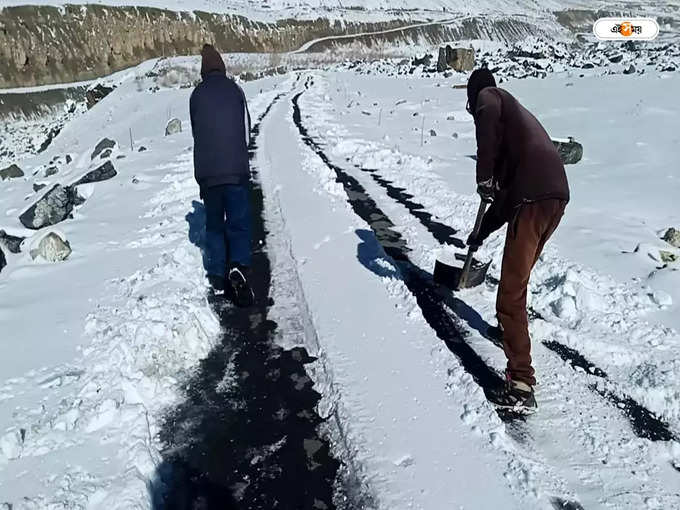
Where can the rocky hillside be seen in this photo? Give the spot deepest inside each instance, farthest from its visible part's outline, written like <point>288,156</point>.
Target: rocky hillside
<point>44,44</point>
<point>56,44</point>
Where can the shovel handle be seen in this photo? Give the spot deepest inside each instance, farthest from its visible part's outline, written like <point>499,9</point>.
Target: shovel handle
<point>468,259</point>
<point>480,216</point>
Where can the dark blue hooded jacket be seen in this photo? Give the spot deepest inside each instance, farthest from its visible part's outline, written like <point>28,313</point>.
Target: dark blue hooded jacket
<point>220,123</point>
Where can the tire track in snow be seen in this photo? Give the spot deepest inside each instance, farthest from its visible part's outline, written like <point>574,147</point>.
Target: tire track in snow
<point>443,233</point>
<point>421,285</point>
<point>247,434</point>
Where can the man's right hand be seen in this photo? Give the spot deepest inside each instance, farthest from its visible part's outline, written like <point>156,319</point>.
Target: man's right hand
<point>486,190</point>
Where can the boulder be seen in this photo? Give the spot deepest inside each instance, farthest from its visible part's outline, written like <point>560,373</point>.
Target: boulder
<point>52,248</point>
<point>433,132</point>
<point>173,127</point>
<point>38,186</point>
<point>672,237</point>
<point>51,170</point>
<point>11,172</point>
<point>12,243</point>
<point>106,153</point>
<point>96,94</point>
<point>668,257</point>
<point>102,173</point>
<point>570,151</point>
<point>142,149</point>
<point>615,59</point>
<point>103,144</point>
<point>3,260</point>
<point>629,70</point>
<point>50,136</point>
<point>425,61</point>
<point>459,59</point>
<point>54,207</point>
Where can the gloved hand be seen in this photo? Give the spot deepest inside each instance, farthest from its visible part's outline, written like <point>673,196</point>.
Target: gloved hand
<point>486,190</point>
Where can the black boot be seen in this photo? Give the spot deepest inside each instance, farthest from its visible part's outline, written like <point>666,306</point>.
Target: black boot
<point>515,396</point>
<point>241,292</point>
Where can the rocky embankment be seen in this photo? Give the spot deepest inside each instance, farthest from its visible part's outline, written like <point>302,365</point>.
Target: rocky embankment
<point>44,44</point>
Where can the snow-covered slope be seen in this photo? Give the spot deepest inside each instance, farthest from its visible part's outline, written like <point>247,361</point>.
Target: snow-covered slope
<point>357,9</point>
<point>285,7</point>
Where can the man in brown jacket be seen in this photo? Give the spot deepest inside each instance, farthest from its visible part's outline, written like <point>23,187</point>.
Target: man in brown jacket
<point>520,171</point>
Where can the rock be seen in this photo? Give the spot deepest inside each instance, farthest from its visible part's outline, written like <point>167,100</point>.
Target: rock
<point>142,149</point>
<point>455,135</point>
<point>672,237</point>
<point>38,186</point>
<point>12,243</point>
<point>629,70</point>
<point>3,260</point>
<point>96,94</point>
<point>433,132</point>
<point>615,59</point>
<point>460,59</point>
<point>51,170</point>
<point>68,159</point>
<point>48,140</point>
<point>78,199</point>
<point>425,61</point>
<point>103,144</point>
<point>54,207</point>
<point>102,173</point>
<point>588,65</point>
<point>11,172</point>
<point>630,46</point>
<point>173,127</point>
<point>52,248</point>
<point>668,257</point>
<point>571,151</point>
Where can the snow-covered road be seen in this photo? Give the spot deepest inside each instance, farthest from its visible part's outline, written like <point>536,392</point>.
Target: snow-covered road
<point>148,388</point>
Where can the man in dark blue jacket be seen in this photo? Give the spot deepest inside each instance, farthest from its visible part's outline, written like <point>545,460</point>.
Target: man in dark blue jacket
<point>220,123</point>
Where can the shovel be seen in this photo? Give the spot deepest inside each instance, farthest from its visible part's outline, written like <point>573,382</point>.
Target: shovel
<point>472,273</point>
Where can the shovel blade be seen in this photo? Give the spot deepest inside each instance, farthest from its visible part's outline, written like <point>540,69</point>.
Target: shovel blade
<point>450,276</point>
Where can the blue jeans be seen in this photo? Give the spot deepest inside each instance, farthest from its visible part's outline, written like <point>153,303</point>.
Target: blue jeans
<point>227,227</point>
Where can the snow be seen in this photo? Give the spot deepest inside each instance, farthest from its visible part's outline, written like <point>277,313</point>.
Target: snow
<point>281,8</point>
<point>96,348</point>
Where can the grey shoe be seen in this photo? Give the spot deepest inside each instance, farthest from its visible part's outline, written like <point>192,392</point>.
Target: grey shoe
<point>516,396</point>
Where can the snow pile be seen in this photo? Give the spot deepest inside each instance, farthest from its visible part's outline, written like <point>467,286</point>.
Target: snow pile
<point>142,345</point>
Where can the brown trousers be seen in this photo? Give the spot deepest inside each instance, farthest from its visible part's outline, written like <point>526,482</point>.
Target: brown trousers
<point>524,242</point>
